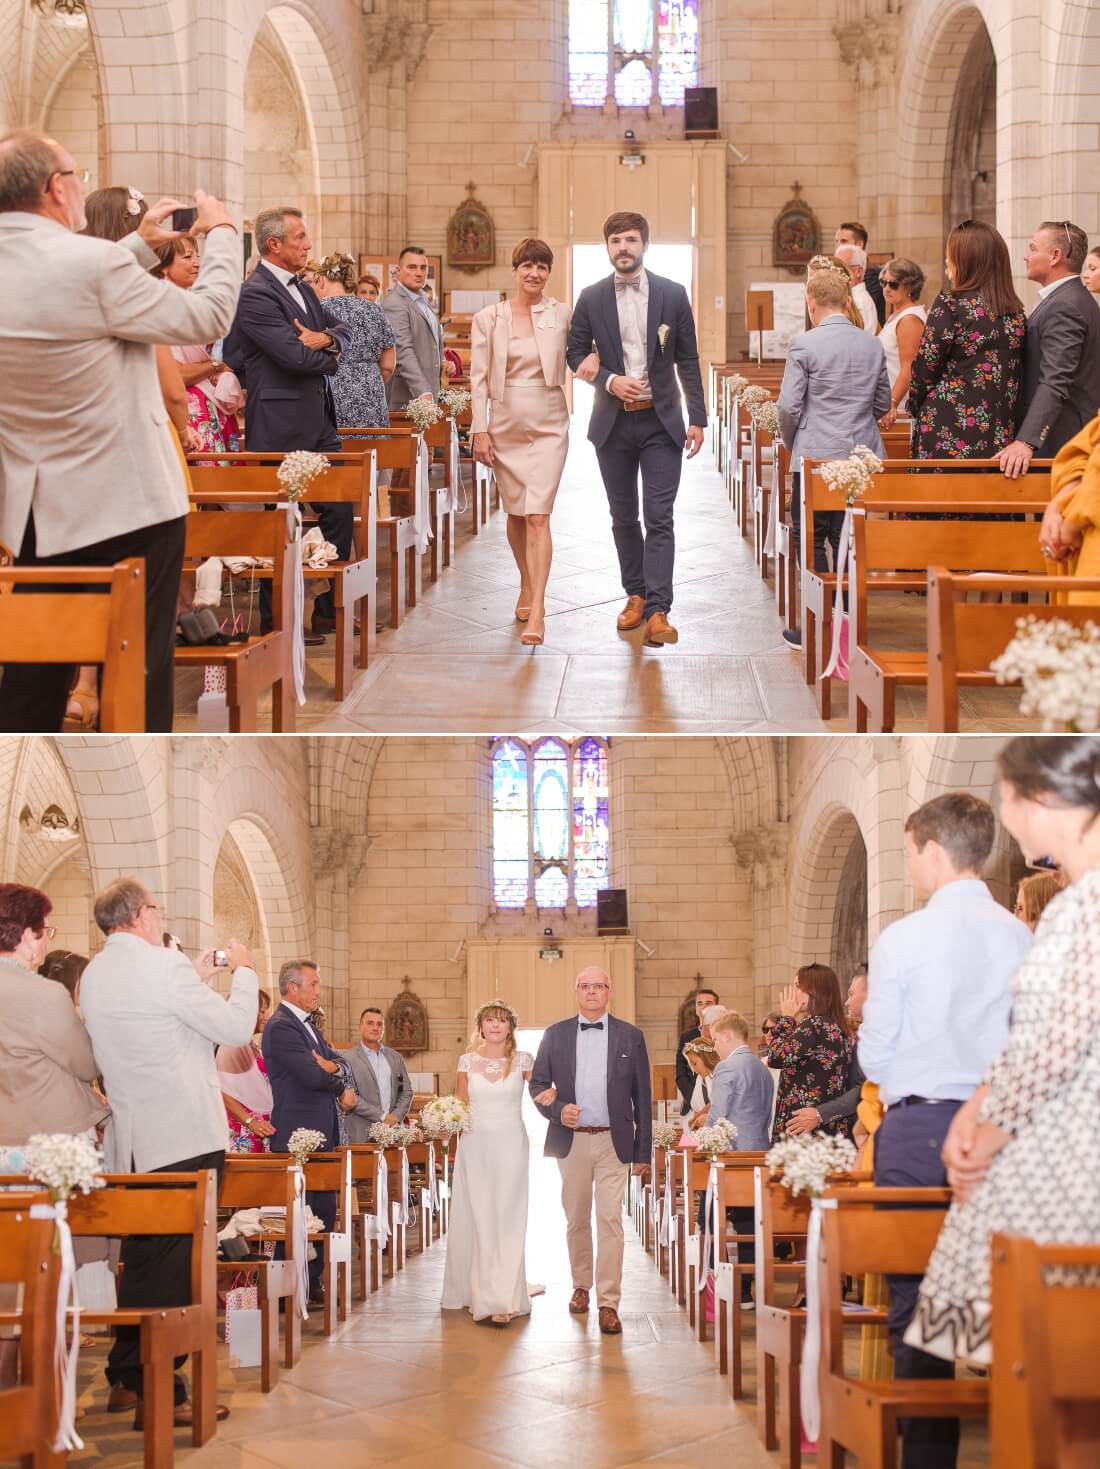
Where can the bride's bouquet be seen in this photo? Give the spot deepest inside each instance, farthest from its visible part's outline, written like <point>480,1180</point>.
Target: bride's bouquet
<point>444,1117</point>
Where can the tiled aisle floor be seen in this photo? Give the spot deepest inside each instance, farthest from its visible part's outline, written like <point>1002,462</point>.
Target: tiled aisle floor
<point>404,1384</point>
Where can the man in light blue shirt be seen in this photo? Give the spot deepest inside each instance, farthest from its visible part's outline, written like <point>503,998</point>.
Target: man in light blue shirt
<point>383,1090</point>
<point>936,1016</point>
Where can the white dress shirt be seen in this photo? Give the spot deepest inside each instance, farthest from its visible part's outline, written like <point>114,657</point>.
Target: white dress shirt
<point>1045,291</point>
<point>939,997</point>
<point>591,1088</point>
<point>285,278</point>
<point>866,306</point>
<point>633,308</point>
<point>383,1075</point>
<point>302,1015</point>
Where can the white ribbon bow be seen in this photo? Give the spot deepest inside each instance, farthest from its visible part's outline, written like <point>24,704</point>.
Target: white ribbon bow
<point>433,1185</point>
<point>382,1200</point>
<point>811,1343</point>
<point>301,1245</point>
<point>298,632</point>
<point>665,1210</point>
<point>68,1309</point>
<point>838,598</point>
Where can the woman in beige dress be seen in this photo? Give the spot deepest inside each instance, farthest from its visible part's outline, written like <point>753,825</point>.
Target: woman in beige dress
<point>520,419</point>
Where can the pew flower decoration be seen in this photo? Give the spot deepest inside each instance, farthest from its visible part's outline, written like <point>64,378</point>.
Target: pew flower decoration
<point>423,412</point>
<point>737,385</point>
<point>65,1164</point>
<point>667,1134</point>
<point>455,400</point>
<point>302,1142</point>
<point>298,471</point>
<point>852,477</point>
<point>1058,664</point>
<point>384,1134</point>
<point>718,1138</point>
<point>752,395</point>
<point>443,1117</point>
<point>406,1133</point>
<point>806,1162</point>
<point>766,416</point>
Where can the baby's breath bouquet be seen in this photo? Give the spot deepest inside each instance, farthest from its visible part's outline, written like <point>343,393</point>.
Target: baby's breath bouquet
<point>443,1117</point>
<point>298,471</point>
<point>718,1138</point>
<point>766,416</point>
<point>750,396</point>
<point>805,1162</point>
<point>737,384</point>
<point>667,1134</point>
<point>852,477</point>
<point>65,1164</point>
<point>423,412</point>
<point>1058,664</point>
<point>384,1134</point>
<point>406,1133</point>
<point>303,1141</point>
<point>455,400</point>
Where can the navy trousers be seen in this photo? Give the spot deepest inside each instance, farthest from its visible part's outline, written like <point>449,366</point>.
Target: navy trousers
<point>640,445</point>
<point>907,1155</point>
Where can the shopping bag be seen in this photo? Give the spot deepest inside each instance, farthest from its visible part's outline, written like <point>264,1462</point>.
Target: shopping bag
<point>242,1326</point>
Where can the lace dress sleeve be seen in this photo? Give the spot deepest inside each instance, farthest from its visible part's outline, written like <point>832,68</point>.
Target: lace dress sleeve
<point>464,1061</point>
<point>525,1061</point>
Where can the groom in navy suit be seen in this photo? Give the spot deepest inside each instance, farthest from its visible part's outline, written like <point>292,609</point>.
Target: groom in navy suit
<point>633,335</point>
<point>600,1124</point>
<point>284,352</point>
<point>306,1082</point>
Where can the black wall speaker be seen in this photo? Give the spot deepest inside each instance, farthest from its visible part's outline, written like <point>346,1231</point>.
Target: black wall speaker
<point>611,915</point>
<point>700,110</point>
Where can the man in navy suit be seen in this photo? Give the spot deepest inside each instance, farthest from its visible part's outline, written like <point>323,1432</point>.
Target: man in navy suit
<point>284,352</point>
<point>633,335</point>
<point>306,1083</point>
<point>601,1122</point>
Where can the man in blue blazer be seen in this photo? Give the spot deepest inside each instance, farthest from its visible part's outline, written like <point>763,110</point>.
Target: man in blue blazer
<point>633,335</point>
<point>306,1081</point>
<point>284,352</point>
<point>601,1122</point>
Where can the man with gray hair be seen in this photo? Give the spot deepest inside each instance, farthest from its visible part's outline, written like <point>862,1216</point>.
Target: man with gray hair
<point>155,1021</point>
<point>855,258</point>
<point>90,472</point>
<point>284,352</point>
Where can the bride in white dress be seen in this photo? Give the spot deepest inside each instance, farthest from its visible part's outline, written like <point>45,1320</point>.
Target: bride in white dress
<point>486,1268</point>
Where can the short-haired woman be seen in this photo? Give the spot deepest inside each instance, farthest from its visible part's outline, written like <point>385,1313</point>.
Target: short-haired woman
<point>214,393</point>
<point>966,374</point>
<point>367,363</point>
<point>520,421</point>
<point>812,1047</point>
<point>902,283</point>
<point>1090,272</point>
<point>368,288</point>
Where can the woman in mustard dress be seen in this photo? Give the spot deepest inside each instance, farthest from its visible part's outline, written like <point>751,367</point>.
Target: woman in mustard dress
<point>520,419</point>
<point>1071,525</point>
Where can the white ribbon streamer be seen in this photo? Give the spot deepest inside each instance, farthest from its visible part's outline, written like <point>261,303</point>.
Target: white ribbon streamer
<point>433,1185</point>
<point>811,1341</point>
<point>773,509</point>
<point>301,1245</point>
<point>382,1200</point>
<point>665,1212</point>
<point>838,598</point>
<point>404,1215</point>
<point>298,632</point>
<point>66,1356</point>
<point>456,500</point>
<point>710,1224</point>
<point>423,518</point>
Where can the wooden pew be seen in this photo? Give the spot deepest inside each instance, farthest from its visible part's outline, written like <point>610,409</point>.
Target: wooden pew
<point>860,1237</point>
<point>397,1163</point>
<point>399,452</point>
<point>964,638</point>
<point>351,478</point>
<point>28,1411</point>
<point>250,1182</point>
<point>366,1159</point>
<point>733,1190</point>
<point>1045,1411</point>
<point>422,1164</point>
<point>918,486</point>
<point>765,454</point>
<point>263,661</point>
<point>69,623</point>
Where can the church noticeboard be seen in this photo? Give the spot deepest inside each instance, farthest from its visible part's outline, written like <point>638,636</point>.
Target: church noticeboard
<point>796,235</point>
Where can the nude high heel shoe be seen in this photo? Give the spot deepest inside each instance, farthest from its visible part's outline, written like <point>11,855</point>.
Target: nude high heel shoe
<point>533,636</point>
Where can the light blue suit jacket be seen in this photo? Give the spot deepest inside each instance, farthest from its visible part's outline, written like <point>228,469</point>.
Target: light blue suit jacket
<point>835,389</point>
<point>741,1092</point>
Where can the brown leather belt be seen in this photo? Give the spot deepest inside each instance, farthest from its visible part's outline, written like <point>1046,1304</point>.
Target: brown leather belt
<point>591,1129</point>
<point>636,406</point>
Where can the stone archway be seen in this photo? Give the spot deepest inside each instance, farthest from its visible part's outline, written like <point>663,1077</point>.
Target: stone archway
<point>970,184</point>
<point>849,945</point>
<point>262,893</point>
<point>829,894</point>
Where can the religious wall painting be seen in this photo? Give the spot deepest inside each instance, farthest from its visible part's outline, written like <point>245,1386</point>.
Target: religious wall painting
<point>796,235</point>
<point>471,238</point>
<point>407,1022</point>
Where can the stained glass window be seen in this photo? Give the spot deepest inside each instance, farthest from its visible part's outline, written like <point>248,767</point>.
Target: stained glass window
<point>627,41</point>
<point>551,827</point>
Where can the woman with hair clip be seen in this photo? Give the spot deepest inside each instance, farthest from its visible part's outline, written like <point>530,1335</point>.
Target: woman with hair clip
<point>367,364</point>
<point>811,1046</point>
<point>486,1270</point>
<point>1022,1154</point>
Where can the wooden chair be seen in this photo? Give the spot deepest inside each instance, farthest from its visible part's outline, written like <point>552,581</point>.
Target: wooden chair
<point>1045,1411</point>
<point>265,660</point>
<point>28,1411</point>
<point>367,1161</point>
<point>250,1182</point>
<point>964,638</point>
<point>860,1237</point>
<point>82,615</point>
<point>351,477</point>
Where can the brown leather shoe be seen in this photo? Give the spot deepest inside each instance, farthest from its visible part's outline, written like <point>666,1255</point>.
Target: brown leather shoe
<point>578,1303</point>
<point>182,1416</point>
<point>122,1400</point>
<point>610,1324</point>
<point>659,630</point>
<point>632,615</point>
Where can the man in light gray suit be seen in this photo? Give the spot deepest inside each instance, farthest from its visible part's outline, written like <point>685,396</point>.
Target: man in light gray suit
<point>383,1090</point>
<point>835,389</point>
<point>417,329</point>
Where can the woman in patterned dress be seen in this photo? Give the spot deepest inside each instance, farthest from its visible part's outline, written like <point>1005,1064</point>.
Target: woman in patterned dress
<point>966,374</point>
<point>811,1046</point>
<point>366,366</point>
<point>1023,1154</point>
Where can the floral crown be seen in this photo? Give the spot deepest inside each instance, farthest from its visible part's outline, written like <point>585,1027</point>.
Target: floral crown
<point>826,262</point>
<point>496,1005</point>
<point>700,1047</point>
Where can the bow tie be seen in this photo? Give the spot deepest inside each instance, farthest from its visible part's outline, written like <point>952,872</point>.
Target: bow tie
<point>297,280</point>
<point>596,1025</point>
<point>628,282</point>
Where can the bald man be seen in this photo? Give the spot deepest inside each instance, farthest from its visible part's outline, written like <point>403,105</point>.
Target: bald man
<point>600,1125</point>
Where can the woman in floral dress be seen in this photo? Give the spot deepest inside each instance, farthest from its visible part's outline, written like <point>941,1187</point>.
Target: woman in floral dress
<point>811,1046</point>
<point>966,374</point>
<point>1023,1154</point>
<point>367,364</point>
<point>246,1091</point>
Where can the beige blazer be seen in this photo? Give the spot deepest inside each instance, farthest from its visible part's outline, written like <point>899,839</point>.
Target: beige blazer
<point>46,1061</point>
<point>490,333</point>
<point>85,440</point>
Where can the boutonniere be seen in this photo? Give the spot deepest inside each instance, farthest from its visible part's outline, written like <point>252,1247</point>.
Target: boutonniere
<point>662,334</point>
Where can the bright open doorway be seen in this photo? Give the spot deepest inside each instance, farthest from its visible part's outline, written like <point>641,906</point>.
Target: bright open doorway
<point>590,264</point>
<point>533,1120</point>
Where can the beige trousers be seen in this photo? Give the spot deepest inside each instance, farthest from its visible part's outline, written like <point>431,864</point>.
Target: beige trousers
<point>592,1167</point>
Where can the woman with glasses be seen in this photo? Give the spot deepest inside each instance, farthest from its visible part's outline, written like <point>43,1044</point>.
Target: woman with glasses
<point>902,283</point>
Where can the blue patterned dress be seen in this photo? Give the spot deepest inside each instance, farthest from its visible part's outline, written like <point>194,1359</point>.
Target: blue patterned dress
<point>357,388</point>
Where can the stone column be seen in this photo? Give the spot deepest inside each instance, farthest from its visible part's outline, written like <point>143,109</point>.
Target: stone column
<point>337,859</point>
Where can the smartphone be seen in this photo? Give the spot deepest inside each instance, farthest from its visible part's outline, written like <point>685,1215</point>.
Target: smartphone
<point>221,959</point>
<point>183,219</point>
<point>1043,864</point>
